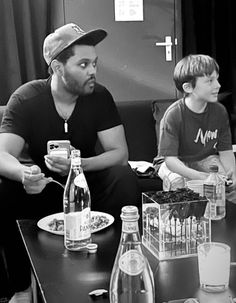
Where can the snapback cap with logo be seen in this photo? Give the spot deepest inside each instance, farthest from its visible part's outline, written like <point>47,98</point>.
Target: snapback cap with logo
<point>67,35</point>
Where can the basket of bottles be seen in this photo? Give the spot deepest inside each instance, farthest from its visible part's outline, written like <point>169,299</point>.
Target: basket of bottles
<point>174,223</point>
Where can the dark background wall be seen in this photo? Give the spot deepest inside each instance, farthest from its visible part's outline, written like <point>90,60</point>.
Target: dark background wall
<point>208,26</point>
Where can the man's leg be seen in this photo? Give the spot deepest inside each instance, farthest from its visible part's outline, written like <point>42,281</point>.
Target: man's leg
<point>16,204</point>
<point>113,188</point>
<point>17,263</point>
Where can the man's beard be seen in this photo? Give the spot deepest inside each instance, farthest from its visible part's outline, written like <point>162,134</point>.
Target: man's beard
<point>74,88</point>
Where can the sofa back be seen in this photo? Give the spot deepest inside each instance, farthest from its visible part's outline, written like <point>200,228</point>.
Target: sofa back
<point>141,121</point>
<point>139,125</point>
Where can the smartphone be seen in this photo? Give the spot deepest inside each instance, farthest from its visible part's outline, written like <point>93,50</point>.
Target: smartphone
<point>59,148</point>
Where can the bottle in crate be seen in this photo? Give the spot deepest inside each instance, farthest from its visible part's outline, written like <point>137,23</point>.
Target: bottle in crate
<point>131,278</point>
<point>76,204</point>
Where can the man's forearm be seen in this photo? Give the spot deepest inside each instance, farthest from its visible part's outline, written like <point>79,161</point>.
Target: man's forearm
<point>228,161</point>
<point>10,167</point>
<point>105,160</point>
<point>178,167</point>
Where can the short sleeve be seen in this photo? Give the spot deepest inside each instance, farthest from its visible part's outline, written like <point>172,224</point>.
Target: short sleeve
<point>15,118</point>
<point>107,115</point>
<point>169,133</point>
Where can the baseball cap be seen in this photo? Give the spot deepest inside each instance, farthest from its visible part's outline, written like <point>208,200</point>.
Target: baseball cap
<point>65,36</point>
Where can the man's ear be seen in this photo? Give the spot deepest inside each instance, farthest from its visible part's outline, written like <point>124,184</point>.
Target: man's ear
<point>187,87</point>
<point>56,67</point>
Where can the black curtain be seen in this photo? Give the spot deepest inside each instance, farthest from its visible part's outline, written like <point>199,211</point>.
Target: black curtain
<point>23,27</point>
<point>209,27</point>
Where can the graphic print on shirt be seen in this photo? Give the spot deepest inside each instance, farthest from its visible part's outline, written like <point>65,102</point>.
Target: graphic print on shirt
<point>204,138</point>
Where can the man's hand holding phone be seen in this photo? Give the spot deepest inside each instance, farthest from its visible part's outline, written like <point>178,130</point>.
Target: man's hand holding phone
<point>58,157</point>
<point>59,148</point>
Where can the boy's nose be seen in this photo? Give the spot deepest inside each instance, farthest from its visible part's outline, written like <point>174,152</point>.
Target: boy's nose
<point>218,84</point>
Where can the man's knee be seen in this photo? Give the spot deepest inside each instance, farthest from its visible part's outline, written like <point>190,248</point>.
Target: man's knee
<point>10,187</point>
<point>15,202</point>
<point>123,174</point>
<point>125,186</point>
<point>10,192</point>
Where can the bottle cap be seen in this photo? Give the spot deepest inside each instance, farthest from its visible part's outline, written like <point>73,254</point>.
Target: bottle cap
<point>214,168</point>
<point>130,213</point>
<point>75,157</point>
<point>92,248</point>
<point>75,153</point>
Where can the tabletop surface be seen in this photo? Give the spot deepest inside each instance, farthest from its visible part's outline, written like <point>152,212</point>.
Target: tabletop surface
<point>65,276</point>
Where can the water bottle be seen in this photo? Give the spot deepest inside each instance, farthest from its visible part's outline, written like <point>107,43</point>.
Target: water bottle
<point>214,190</point>
<point>76,205</point>
<point>131,278</point>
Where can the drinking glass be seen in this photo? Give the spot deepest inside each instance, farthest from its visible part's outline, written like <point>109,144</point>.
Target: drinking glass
<point>214,266</point>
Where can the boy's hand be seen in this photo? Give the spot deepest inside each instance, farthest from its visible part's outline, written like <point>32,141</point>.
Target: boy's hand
<point>34,180</point>
<point>232,184</point>
<point>56,164</point>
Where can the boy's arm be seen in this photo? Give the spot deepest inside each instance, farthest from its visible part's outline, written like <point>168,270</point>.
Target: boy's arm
<point>178,167</point>
<point>228,161</point>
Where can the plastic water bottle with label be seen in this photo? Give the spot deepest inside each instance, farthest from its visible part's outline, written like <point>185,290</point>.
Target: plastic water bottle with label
<point>77,205</point>
<point>131,278</point>
<point>214,190</point>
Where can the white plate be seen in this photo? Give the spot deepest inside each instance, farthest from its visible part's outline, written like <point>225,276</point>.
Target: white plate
<point>44,222</point>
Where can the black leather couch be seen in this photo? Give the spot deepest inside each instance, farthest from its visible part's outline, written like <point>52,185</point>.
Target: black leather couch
<point>141,122</point>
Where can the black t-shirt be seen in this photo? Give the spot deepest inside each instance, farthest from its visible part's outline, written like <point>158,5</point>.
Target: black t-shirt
<point>31,114</point>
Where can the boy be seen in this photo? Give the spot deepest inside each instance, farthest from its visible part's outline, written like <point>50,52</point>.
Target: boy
<point>194,131</point>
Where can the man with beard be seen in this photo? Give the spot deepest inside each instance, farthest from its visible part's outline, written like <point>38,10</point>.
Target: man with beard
<point>69,105</point>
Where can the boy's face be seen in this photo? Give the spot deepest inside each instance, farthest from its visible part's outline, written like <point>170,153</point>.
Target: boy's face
<point>206,88</point>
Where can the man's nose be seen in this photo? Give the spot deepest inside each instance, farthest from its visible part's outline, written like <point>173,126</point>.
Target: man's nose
<point>92,69</point>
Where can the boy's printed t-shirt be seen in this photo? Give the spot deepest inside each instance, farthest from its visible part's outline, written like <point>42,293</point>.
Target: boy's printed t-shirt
<point>194,136</point>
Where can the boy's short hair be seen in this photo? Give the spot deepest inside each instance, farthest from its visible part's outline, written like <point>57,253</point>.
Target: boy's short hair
<point>191,67</point>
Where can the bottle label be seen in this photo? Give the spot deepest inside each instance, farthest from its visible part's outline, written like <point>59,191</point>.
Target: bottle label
<point>77,225</point>
<point>220,194</point>
<point>80,181</point>
<point>130,227</point>
<point>212,208</point>
<point>215,192</point>
<point>132,262</point>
